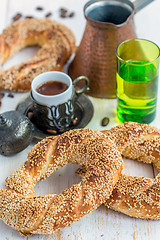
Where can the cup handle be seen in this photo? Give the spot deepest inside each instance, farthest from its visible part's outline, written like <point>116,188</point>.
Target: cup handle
<point>86,86</point>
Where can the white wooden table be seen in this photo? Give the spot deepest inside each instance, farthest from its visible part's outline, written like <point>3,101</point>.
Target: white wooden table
<point>101,223</point>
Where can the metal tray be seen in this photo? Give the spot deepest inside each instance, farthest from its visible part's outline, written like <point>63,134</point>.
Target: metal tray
<point>83,111</point>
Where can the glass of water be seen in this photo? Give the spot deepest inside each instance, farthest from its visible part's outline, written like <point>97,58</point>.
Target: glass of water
<point>137,80</point>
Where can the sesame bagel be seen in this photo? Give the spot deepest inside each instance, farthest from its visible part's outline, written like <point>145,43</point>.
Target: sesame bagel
<point>136,196</point>
<point>57,44</point>
<point>20,209</point>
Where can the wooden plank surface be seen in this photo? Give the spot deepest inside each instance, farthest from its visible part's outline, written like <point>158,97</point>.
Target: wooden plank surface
<point>101,223</point>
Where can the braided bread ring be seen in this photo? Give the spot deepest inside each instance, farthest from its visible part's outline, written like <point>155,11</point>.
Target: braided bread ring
<point>136,196</point>
<point>46,214</point>
<point>56,40</point>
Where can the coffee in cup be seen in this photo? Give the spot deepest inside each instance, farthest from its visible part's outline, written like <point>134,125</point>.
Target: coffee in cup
<point>54,96</point>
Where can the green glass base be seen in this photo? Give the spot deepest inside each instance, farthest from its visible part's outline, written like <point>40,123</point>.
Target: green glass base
<point>136,116</point>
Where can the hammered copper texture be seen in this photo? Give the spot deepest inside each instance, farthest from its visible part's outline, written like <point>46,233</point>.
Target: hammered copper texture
<point>96,55</point>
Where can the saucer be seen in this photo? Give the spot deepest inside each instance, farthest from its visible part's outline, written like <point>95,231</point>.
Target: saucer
<point>83,112</point>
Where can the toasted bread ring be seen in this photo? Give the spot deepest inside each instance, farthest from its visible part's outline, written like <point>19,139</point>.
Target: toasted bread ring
<point>20,209</point>
<point>136,196</point>
<point>57,45</point>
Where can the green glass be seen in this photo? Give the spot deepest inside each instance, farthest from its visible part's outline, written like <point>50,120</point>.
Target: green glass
<point>137,80</point>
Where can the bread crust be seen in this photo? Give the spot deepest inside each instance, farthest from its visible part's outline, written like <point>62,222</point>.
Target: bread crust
<point>20,209</point>
<point>57,44</point>
<point>134,196</point>
<point>137,196</point>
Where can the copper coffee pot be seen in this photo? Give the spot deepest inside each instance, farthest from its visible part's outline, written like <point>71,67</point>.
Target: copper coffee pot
<point>109,22</point>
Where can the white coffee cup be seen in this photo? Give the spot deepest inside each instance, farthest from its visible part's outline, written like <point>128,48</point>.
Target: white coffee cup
<point>55,111</point>
<point>52,99</point>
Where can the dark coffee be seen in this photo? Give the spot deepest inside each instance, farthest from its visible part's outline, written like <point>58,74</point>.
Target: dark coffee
<point>52,87</point>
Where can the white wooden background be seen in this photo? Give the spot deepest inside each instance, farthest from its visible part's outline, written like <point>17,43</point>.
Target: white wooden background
<point>102,223</point>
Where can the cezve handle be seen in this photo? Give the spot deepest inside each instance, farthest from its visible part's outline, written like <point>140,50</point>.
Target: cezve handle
<point>139,4</point>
